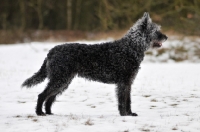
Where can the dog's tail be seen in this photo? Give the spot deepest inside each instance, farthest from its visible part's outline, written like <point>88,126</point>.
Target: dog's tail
<point>38,77</point>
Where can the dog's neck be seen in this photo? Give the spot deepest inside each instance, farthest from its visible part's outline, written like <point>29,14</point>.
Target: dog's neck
<point>137,40</point>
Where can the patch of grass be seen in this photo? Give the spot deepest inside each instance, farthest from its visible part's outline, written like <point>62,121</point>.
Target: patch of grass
<point>89,122</point>
<point>193,96</point>
<point>175,128</point>
<point>64,124</point>
<point>101,116</point>
<point>154,100</point>
<point>186,114</point>
<point>179,54</point>
<point>17,116</point>
<point>145,129</point>
<point>93,106</point>
<point>149,53</point>
<point>73,117</point>
<point>35,120</point>
<point>174,104</point>
<point>123,120</point>
<point>161,51</point>
<point>30,116</point>
<point>146,96</point>
<point>84,100</point>
<point>197,52</point>
<point>22,102</point>
<point>152,126</point>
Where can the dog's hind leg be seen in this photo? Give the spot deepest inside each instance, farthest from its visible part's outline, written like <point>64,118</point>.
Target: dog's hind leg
<point>54,87</point>
<point>51,99</point>
<point>49,103</point>
<point>50,90</point>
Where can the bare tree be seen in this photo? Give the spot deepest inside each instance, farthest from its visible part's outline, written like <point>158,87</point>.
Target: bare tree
<point>69,13</point>
<point>38,8</point>
<point>23,14</point>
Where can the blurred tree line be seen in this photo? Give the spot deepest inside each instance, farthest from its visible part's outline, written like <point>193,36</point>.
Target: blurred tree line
<point>99,15</point>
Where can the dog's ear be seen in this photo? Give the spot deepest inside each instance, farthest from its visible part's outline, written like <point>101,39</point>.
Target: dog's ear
<point>145,20</point>
<point>146,15</point>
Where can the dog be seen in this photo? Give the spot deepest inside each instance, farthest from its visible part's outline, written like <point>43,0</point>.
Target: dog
<point>116,62</point>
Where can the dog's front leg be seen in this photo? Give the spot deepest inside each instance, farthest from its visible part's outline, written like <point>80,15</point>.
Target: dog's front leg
<point>128,103</point>
<point>128,94</point>
<point>120,91</point>
<point>123,96</point>
<point>124,99</point>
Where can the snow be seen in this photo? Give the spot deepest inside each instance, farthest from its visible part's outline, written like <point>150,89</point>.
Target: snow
<point>166,96</point>
<point>183,49</point>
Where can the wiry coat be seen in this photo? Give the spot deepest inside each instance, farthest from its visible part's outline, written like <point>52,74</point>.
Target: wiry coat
<point>114,62</point>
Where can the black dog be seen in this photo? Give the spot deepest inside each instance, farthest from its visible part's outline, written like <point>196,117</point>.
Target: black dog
<point>114,62</point>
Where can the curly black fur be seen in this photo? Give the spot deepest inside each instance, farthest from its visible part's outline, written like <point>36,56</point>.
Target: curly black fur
<point>114,62</point>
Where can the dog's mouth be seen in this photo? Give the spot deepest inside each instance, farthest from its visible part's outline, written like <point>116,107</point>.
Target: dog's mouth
<point>157,44</point>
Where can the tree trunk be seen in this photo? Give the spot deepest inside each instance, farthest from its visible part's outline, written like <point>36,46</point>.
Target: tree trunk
<point>69,14</point>
<point>23,14</point>
<point>39,11</point>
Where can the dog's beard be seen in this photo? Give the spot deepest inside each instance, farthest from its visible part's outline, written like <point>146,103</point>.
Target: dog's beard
<point>157,44</point>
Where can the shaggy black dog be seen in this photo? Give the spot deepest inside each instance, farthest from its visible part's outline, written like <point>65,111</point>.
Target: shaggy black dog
<point>114,62</point>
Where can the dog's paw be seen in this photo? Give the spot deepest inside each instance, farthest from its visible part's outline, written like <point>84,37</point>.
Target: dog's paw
<point>133,114</point>
<point>128,114</point>
<point>49,113</point>
<point>123,113</point>
<point>41,113</point>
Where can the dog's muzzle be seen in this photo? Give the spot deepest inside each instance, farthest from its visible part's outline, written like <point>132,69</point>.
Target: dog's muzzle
<point>158,44</point>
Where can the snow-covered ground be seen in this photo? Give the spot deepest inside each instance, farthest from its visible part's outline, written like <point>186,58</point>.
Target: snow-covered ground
<point>176,49</point>
<point>166,96</point>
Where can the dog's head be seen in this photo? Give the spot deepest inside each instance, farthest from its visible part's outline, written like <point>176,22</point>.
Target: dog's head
<point>151,31</point>
<point>146,33</point>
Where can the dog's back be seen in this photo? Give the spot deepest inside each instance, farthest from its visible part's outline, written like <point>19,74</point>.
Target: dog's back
<point>107,62</point>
